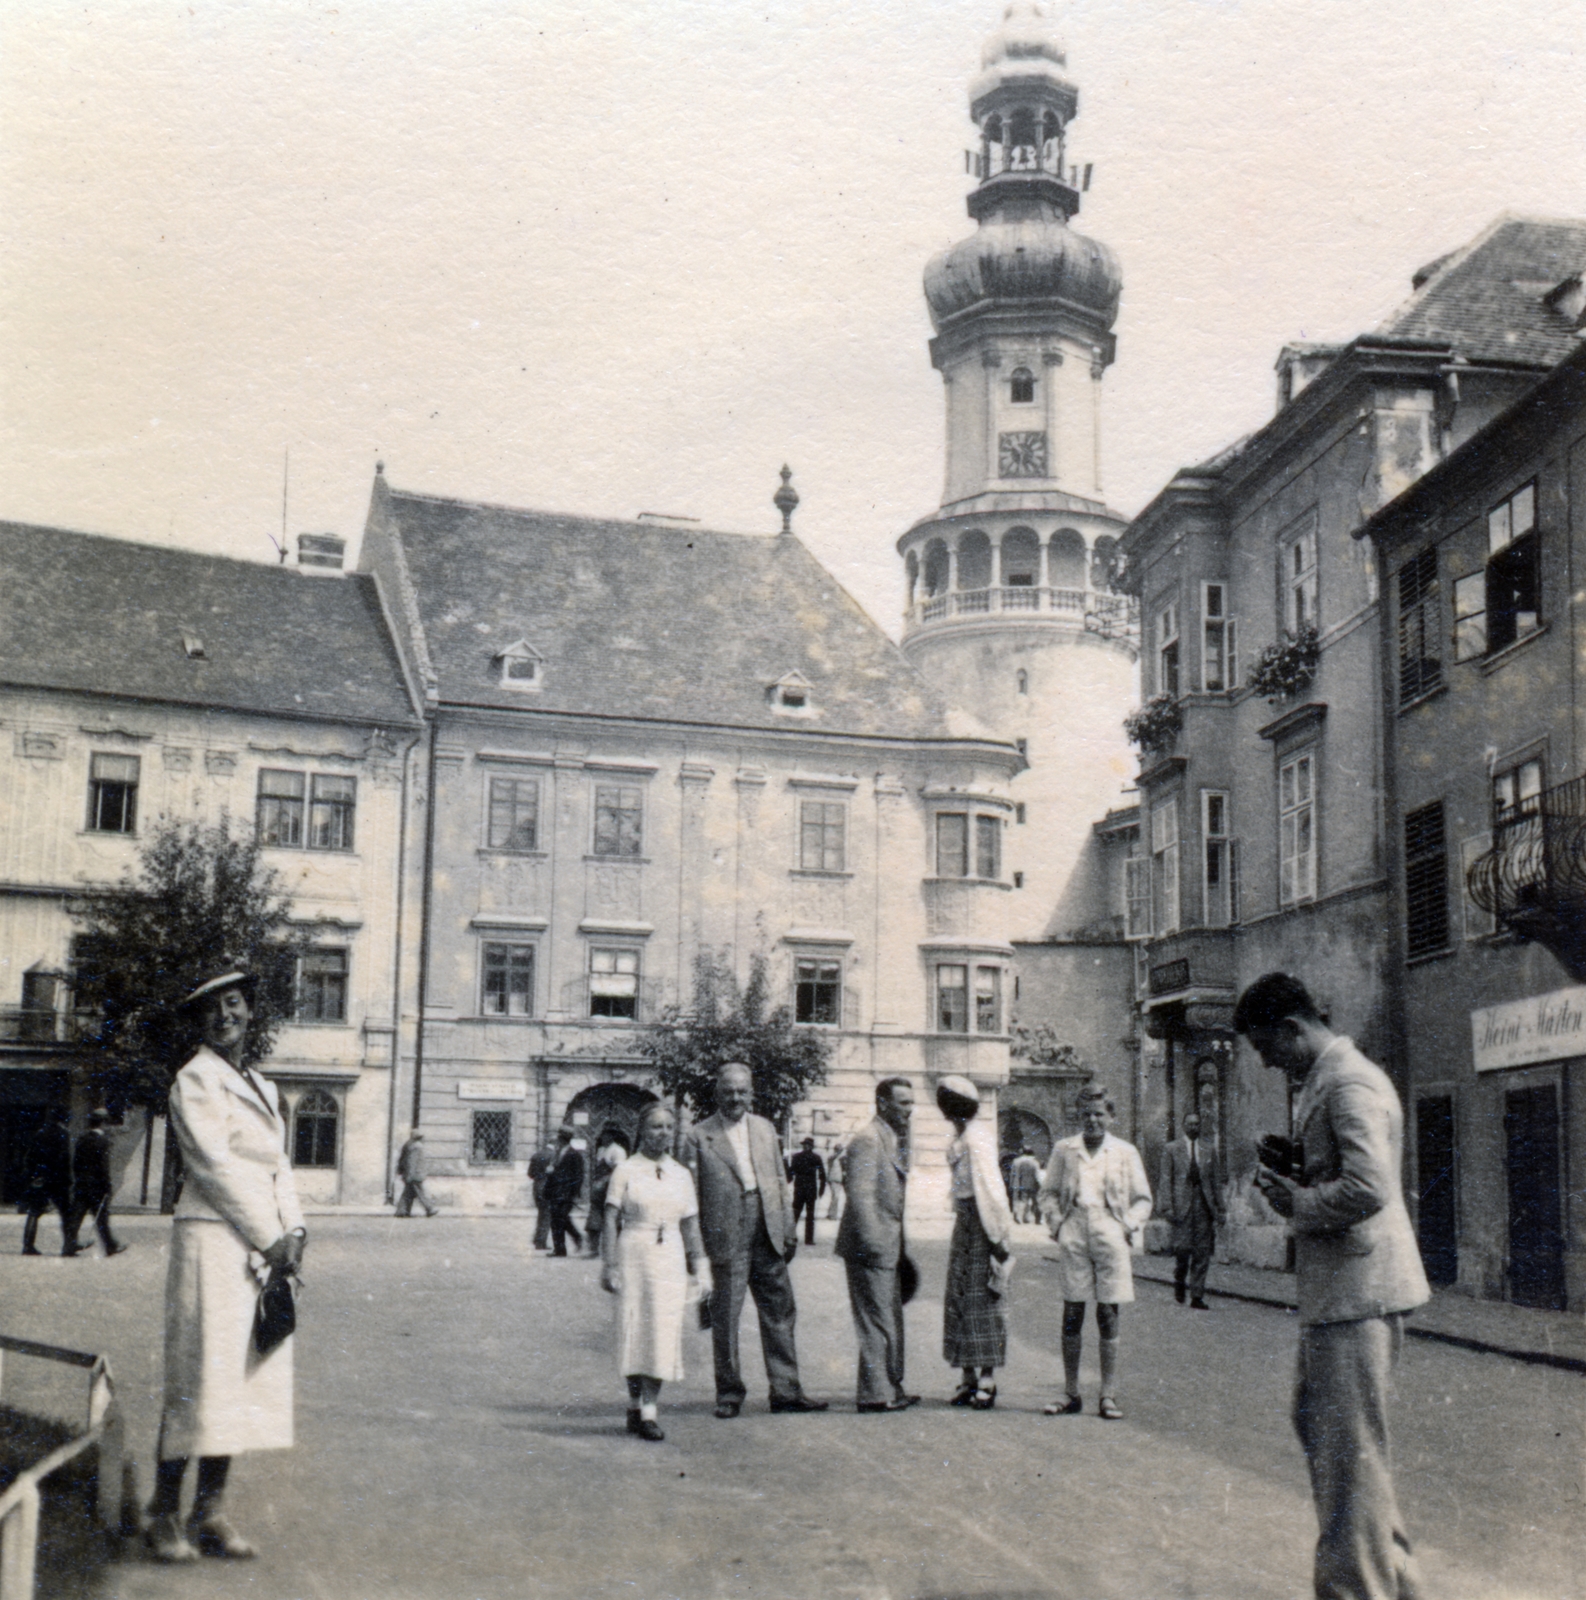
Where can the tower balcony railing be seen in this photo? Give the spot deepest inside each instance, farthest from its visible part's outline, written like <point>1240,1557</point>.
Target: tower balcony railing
<point>1533,879</point>
<point>1113,616</point>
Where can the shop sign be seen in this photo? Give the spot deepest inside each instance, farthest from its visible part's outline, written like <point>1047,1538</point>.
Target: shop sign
<point>1547,1027</point>
<point>492,1089</point>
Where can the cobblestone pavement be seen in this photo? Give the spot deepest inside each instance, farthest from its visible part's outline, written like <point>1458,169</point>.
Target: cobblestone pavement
<point>461,1438</point>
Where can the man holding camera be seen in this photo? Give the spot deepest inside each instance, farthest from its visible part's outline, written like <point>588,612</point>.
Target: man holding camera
<point>1358,1272</point>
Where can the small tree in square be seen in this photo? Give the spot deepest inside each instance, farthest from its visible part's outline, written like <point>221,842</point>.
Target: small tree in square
<point>687,1046</point>
<point>199,896</point>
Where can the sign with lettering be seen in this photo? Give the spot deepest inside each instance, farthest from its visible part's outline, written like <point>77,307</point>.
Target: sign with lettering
<point>1547,1027</point>
<point>492,1089</point>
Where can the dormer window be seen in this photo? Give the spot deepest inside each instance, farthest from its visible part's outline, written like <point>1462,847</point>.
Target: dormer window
<point>193,647</point>
<point>522,666</point>
<point>1021,387</point>
<point>792,696</point>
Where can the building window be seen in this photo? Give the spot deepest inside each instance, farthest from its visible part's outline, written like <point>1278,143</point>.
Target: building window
<point>1219,666</point>
<point>988,847</point>
<point>507,989</point>
<point>1019,813</point>
<point>1167,673</point>
<point>490,1138</point>
<point>113,794</point>
<point>1425,881</point>
<point>1517,791</point>
<point>1221,910</point>
<point>1164,867</point>
<point>822,835</point>
<point>953,840</point>
<point>333,801</point>
<point>619,815</point>
<point>1300,599</point>
<point>988,999</point>
<point>952,999</point>
<point>314,1128</point>
<point>514,814</point>
<point>1023,681</point>
<point>1502,603</point>
<point>330,802</point>
<point>321,988</point>
<point>614,983</point>
<point>1021,387</point>
<point>1137,897</point>
<point>817,992</point>
<point>1018,880</point>
<point>1420,657</point>
<point>1297,830</point>
<point>520,666</point>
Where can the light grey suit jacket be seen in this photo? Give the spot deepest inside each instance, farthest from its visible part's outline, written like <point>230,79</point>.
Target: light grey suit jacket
<point>1355,1253</point>
<point>707,1153</point>
<point>874,1174</point>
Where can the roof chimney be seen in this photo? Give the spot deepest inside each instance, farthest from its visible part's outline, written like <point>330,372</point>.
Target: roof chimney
<point>320,552</point>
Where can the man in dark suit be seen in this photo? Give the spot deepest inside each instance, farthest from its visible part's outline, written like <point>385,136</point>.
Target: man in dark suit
<point>562,1190</point>
<point>50,1181</point>
<point>870,1242</point>
<point>541,1165</point>
<point>749,1235</point>
<point>91,1185</point>
<point>1357,1271</point>
<point>1190,1201</point>
<point>808,1173</point>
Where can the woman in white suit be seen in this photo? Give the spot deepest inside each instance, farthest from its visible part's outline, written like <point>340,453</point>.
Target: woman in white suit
<point>238,1216</point>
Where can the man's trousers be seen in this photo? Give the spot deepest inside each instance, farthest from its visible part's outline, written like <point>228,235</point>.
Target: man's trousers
<point>759,1271</point>
<point>875,1296</point>
<point>413,1189</point>
<point>804,1206</point>
<point>1341,1415</point>
<point>99,1208</point>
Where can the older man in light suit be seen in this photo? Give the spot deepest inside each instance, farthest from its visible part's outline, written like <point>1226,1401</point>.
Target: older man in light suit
<point>1358,1272</point>
<point>870,1242</point>
<point>746,1219</point>
<point>1190,1200</point>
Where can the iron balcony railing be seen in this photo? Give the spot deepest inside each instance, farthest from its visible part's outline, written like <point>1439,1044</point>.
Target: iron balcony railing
<point>1533,879</point>
<point>1114,616</point>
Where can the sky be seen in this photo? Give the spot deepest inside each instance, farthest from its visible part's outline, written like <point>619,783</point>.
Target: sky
<point>633,257</point>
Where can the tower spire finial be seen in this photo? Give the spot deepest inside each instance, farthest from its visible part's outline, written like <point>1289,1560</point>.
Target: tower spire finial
<point>786,499</point>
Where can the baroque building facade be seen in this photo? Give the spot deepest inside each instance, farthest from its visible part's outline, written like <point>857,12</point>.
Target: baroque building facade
<point>141,684</point>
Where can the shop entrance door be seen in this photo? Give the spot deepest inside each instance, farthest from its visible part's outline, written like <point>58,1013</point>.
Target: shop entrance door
<point>1536,1237</point>
<point>1434,1171</point>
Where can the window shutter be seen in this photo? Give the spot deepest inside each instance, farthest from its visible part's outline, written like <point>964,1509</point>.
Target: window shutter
<point>1425,881</point>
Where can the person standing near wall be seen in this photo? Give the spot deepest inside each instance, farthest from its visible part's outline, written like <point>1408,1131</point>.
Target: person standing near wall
<point>413,1169</point>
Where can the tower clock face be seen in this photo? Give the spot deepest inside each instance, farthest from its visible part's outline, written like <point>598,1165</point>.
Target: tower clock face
<point>1021,455</point>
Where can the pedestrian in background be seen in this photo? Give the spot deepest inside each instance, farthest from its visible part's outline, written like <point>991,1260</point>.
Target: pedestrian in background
<point>654,1261</point>
<point>1026,1185</point>
<point>834,1182</point>
<point>413,1169</point>
<point>1097,1201</point>
<point>91,1185</point>
<point>808,1174</point>
<point>746,1220</point>
<point>50,1181</point>
<point>1357,1272</point>
<point>974,1333</point>
<point>562,1189</point>
<point>237,1219</point>
<point>540,1165</point>
<point>611,1150</point>
<point>1190,1201</point>
<point>870,1242</point>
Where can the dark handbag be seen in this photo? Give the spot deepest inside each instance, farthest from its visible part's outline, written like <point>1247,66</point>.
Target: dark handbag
<point>276,1318</point>
<point>908,1279</point>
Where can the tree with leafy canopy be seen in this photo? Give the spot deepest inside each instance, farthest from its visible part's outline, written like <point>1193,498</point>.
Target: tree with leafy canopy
<point>687,1046</point>
<point>198,896</point>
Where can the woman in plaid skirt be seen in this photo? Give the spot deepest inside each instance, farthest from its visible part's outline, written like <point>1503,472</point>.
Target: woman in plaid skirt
<point>974,1334</point>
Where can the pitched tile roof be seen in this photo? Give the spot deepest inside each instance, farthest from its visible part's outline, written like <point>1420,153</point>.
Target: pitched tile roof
<point>650,620</point>
<point>107,616</point>
<point>1486,298</point>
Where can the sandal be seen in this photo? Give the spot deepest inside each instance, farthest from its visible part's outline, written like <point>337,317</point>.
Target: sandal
<point>985,1397</point>
<point>1068,1406</point>
<point>965,1395</point>
<point>1110,1409</point>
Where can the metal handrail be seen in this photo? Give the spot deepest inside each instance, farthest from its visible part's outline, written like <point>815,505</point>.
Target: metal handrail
<point>19,1505</point>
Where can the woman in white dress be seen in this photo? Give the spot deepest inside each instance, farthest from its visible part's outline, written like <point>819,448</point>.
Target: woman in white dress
<point>654,1262</point>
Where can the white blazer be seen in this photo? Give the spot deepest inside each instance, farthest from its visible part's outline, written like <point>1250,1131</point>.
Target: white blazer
<point>233,1143</point>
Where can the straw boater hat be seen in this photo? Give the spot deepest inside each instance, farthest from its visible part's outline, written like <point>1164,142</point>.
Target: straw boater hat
<point>229,975</point>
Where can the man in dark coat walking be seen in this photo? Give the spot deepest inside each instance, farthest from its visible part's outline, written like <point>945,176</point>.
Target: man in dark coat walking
<point>91,1185</point>
<point>541,1165</point>
<point>413,1169</point>
<point>562,1190</point>
<point>50,1180</point>
<point>808,1174</point>
<point>1190,1201</point>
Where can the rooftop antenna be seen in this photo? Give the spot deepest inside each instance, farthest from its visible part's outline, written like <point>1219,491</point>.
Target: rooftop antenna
<point>286,478</point>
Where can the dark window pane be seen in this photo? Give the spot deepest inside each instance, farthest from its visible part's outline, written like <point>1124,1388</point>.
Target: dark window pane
<point>331,814</point>
<point>280,818</point>
<point>618,815</point>
<point>821,829</point>
<point>988,847</point>
<point>508,989</point>
<point>952,845</point>
<point>1420,655</point>
<point>613,983</point>
<point>514,814</point>
<point>113,794</point>
<point>952,999</point>
<point>1513,593</point>
<point>818,992</point>
<point>491,1138</point>
<point>322,986</point>
<point>314,1130</point>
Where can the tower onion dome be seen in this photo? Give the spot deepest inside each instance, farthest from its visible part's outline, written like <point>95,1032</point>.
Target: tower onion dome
<point>1023,47</point>
<point>1040,259</point>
